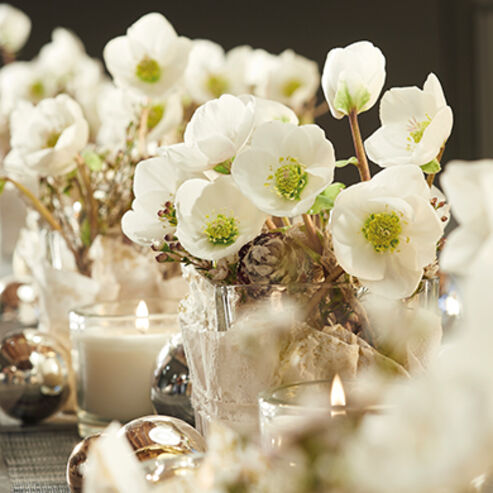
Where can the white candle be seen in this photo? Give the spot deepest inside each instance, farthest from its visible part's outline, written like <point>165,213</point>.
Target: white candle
<point>115,364</point>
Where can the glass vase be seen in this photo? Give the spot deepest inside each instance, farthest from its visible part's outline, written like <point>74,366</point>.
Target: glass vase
<point>241,340</point>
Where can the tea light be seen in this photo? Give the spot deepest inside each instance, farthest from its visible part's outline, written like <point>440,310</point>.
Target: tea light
<point>115,346</point>
<point>287,410</point>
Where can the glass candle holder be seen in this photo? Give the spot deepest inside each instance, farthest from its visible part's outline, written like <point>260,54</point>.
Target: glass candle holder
<point>286,410</point>
<point>114,351</point>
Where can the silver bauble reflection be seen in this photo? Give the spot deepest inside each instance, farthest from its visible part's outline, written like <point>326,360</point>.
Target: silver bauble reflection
<point>171,386</point>
<point>162,436</point>
<point>34,375</point>
<point>76,463</point>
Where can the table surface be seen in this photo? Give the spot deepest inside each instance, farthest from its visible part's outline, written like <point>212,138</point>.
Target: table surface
<point>33,458</point>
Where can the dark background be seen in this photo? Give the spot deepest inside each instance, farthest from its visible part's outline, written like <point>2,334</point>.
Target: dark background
<point>416,36</point>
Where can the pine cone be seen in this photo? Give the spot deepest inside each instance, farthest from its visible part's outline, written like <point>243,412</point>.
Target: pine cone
<point>274,258</point>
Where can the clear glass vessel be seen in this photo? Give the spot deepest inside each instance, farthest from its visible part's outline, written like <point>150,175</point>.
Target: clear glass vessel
<point>114,350</point>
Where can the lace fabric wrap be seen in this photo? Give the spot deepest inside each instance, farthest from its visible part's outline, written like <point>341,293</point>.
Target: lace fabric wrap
<point>232,360</point>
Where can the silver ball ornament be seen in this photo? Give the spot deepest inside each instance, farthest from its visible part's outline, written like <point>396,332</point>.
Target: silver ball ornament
<point>171,386</point>
<point>34,375</point>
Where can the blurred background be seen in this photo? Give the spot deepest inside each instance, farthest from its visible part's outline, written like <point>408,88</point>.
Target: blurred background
<point>452,38</point>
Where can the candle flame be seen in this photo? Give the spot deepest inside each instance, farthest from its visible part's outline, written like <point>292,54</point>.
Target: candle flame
<point>142,316</point>
<point>337,395</point>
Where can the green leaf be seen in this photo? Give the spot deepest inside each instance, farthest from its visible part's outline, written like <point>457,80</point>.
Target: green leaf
<point>346,102</point>
<point>325,201</point>
<point>432,167</point>
<point>3,182</point>
<point>85,233</point>
<point>225,167</point>
<point>93,160</point>
<point>345,162</point>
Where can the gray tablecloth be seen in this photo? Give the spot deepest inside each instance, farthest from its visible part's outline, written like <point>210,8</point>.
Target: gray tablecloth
<point>33,459</point>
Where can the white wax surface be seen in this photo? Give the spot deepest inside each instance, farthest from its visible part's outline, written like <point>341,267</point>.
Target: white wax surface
<point>115,371</point>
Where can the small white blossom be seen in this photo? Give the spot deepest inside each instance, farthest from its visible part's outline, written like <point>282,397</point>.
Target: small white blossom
<point>221,127</point>
<point>211,72</point>
<point>353,78</point>
<point>214,219</point>
<point>15,27</point>
<point>118,108</point>
<point>24,81</point>
<point>292,79</point>
<point>415,125</point>
<point>285,167</point>
<point>46,138</point>
<point>151,58</point>
<point>468,188</point>
<point>153,213</point>
<point>385,231</point>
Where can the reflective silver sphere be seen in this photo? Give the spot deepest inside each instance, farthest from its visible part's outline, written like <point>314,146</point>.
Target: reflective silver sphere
<point>171,387</point>
<point>34,375</point>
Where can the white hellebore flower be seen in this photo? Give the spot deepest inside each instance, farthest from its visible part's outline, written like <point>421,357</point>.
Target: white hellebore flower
<point>211,72</point>
<point>285,167</point>
<point>47,137</point>
<point>292,80</point>
<point>184,157</point>
<point>151,58</point>
<point>153,213</point>
<point>267,110</point>
<point>15,27</point>
<point>468,187</point>
<point>385,231</point>
<point>221,127</point>
<point>214,219</point>
<point>353,78</point>
<point>415,125</point>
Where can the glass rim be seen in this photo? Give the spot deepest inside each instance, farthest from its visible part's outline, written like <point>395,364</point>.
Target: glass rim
<point>87,311</point>
<point>335,284</point>
<point>268,395</point>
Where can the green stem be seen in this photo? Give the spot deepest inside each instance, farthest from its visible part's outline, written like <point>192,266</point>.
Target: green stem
<point>37,204</point>
<point>364,170</point>
<point>431,177</point>
<point>312,233</point>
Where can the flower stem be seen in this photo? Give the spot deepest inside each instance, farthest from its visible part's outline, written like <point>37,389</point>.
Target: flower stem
<point>143,131</point>
<point>89,197</point>
<point>320,110</point>
<point>431,177</point>
<point>364,170</point>
<point>37,204</point>
<point>7,57</point>
<point>270,223</point>
<point>286,221</point>
<point>311,231</point>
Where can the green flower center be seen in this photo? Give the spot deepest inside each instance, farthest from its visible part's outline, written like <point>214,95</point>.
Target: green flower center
<point>37,90</point>
<point>52,139</point>
<point>382,230</point>
<point>222,231</point>
<point>290,179</point>
<point>290,87</point>
<point>217,85</point>
<point>416,130</point>
<point>148,70</point>
<point>156,113</point>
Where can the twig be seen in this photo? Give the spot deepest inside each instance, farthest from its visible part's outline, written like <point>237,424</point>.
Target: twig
<point>312,233</point>
<point>143,131</point>
<point>364,170</point>
<point>37,204</point>
<point>320,110</point>
<point>89,197</point>
<point>270,223</point>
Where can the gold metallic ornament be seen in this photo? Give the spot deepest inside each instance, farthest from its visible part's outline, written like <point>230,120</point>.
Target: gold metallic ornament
<point>76,463</point>
<point>34,375</point>
<point>162,436</point>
